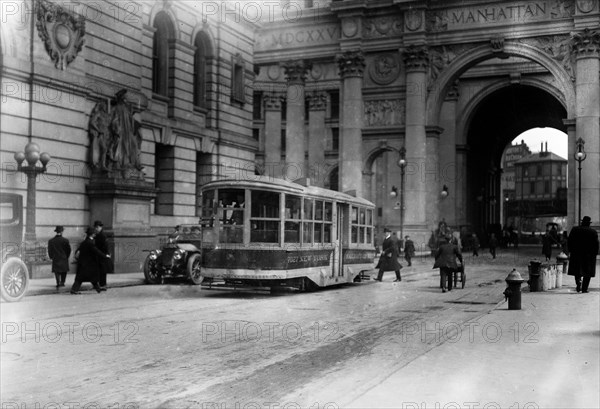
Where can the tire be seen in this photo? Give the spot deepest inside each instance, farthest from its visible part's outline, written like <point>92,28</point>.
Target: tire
<point>151,272</point>
<point>194,269</point>
<point>15,279</point>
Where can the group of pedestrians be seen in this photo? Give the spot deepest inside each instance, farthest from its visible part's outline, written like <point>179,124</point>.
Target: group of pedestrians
<point>92,258</point>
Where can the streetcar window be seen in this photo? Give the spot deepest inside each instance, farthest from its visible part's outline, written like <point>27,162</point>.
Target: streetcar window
<point>354,234</point>
<point>308,232</point>
<point>265,204</point>
<point>361,230</point>
<point>354,215</point>
<point>361,234</point>
<point>231,215</point>
<point>370,217</point>
<point>308,209</point>
<point>208,201</point>
<point>292,232</point>
<point>362,216</point>
<point>369,234</point>
<point>328,211</point>
<point>318,232</point>
<point>292,207</point>
<point>264,231</point>
<point>327,233</point>
<point>318,210</point>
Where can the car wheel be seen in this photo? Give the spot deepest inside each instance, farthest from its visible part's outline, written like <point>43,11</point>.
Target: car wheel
<point>151,272</point>
<point>15,279</point>
<point>194,269</point>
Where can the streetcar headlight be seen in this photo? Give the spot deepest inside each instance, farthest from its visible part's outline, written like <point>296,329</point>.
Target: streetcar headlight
<point>178,255</point>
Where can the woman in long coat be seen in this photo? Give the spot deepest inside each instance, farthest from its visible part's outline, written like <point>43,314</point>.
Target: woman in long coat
<point>388,261</point>
<point>88,263</point>
<point>445,260</point>
<point>583,245</point>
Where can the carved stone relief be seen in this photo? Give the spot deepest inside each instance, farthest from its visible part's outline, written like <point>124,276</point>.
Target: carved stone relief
<point>61,31</point>
<point>384,69</point>
<point>440,57</point>
<point>384,112</point>
<point>380,27</point>
<point>562,9</point>
<point>558,47</point>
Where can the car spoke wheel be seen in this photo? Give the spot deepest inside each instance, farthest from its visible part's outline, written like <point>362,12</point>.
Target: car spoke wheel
<point>194,269</point>
<point>15,279</point>
<point>151,272</point>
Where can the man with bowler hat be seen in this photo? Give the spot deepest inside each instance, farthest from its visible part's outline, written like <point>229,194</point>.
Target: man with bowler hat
<point>102,245</point>
<point>583,245</point>
<point>59,251</point>
<point>88,262</point>
<point>389,257</point>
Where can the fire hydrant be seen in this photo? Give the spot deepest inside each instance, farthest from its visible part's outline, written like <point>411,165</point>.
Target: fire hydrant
<point>512,293</point>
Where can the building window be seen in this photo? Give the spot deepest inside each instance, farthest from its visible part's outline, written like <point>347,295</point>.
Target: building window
<point>204,174</point>
<point>255,134</point>
<point>202,59</point>
<point>257,105</point>
<point>237,79</point>
<point>539,170</point>
<point>160,54</point>
<point>164,179</point>
<point>283,144</point>
<point>335,139</point>
<point>284,109</point>
<point>334,104</point>
<point>546,187</point>
<point>532,188</point>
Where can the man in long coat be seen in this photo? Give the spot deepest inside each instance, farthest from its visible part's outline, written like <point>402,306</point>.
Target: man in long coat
<point>88,262</point>
<point>445,260</point>
<point>59,251</point>
<point>389,257</point>
<point>102,245</point>
<point>583,245</point>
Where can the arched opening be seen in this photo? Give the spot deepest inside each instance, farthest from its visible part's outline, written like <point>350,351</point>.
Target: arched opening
<point>160,53</point>
<point>495,123</point>
<point>202,61</point>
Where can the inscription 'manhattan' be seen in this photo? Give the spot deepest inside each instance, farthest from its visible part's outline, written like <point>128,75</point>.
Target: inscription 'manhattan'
<point>514,13</point>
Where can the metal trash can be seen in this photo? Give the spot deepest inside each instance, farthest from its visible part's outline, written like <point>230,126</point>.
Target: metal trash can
<point>535,276</point>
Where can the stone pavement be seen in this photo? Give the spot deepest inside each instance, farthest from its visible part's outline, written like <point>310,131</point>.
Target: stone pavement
<point>546,355</point>
<point>47,285</point>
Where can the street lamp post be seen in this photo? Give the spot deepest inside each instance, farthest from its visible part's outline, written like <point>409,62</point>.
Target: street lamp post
<point>580,156</point>
<point>31,156</point>
<point>402,165</point>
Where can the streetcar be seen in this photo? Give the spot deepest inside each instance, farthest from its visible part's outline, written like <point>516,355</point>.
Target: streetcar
<point>267,232</point>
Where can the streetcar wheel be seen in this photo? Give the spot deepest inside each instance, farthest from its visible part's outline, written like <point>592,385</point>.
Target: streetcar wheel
<point>15,279</point>
<point>151,272</point>
<point>194,268</point>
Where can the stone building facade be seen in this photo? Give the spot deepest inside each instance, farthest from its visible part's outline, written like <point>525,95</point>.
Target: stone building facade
<point>452,82</point>
<point>133,159</point>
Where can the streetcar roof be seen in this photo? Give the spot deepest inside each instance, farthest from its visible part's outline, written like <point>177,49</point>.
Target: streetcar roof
<point>269,182</point>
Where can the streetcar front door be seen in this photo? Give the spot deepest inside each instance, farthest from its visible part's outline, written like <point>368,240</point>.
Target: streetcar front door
<point>341,218</point>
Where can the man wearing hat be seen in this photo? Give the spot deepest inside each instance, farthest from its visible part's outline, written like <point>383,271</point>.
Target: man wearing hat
<point>583,245</point>
<point>59,251</point>
<point>389,257</point>
<point>88,262</point>
<point>102,245</point>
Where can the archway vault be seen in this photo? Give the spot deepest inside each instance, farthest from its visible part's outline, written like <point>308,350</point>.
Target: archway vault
<point>472,57</point>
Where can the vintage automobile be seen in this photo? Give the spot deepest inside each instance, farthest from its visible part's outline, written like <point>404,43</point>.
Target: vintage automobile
<point>14,276</point>
<point>180,257</point>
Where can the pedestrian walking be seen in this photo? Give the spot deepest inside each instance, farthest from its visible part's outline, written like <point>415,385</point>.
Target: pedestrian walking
<point>445,259</point>
<point>409,250</point>
<point>59,250</point>
<point>88,263</point>
<point>493,245</point>
<point>583,245</point>
<point>475,245</point>
<point>388,261</point>
<point>547,246</point>
<point>102,245</point>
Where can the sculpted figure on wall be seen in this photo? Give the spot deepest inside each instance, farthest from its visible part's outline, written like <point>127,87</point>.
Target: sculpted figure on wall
<point>115,138</point>
<point>384,112</point>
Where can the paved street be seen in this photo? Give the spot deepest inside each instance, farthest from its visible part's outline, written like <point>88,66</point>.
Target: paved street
<point>181,346</point>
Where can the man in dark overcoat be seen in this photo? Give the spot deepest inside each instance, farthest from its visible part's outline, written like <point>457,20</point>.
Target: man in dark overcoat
<point>102,245</point>
<point>409,250</point>
<point>88,262</point>
<point>59,251</point>
<point>583,245</point>
<point>388,261</point>
<point>445,259</point>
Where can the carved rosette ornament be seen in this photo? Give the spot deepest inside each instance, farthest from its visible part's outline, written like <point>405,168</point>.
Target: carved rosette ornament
<point>384,69</point>
<point>416,58</point>
<point>317,101</point>
<point>351,64</point>
<point>62,32</point>
<point>586,43</point>
<point>296,71</point>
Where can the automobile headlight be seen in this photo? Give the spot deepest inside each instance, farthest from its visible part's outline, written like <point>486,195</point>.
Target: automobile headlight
<point>154,254</point>
<point>178,255</point>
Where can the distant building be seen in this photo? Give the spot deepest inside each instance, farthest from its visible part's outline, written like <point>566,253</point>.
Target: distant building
<point>512,154</point>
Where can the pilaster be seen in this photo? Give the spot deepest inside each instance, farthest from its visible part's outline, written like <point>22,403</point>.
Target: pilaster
<point>317,138</point>
<point>273,134</point>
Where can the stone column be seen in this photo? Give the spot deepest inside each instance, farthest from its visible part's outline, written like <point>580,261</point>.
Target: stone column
<point>295,130</point>
<point>461,184</point>
<point>317,138</point>
<point>572,198</point>
<point>273,135</point>
<point>416,60</point>
<point>432,176</point>
<point>586,47</point>
<point>352,65</point>
<point>448,163</point>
